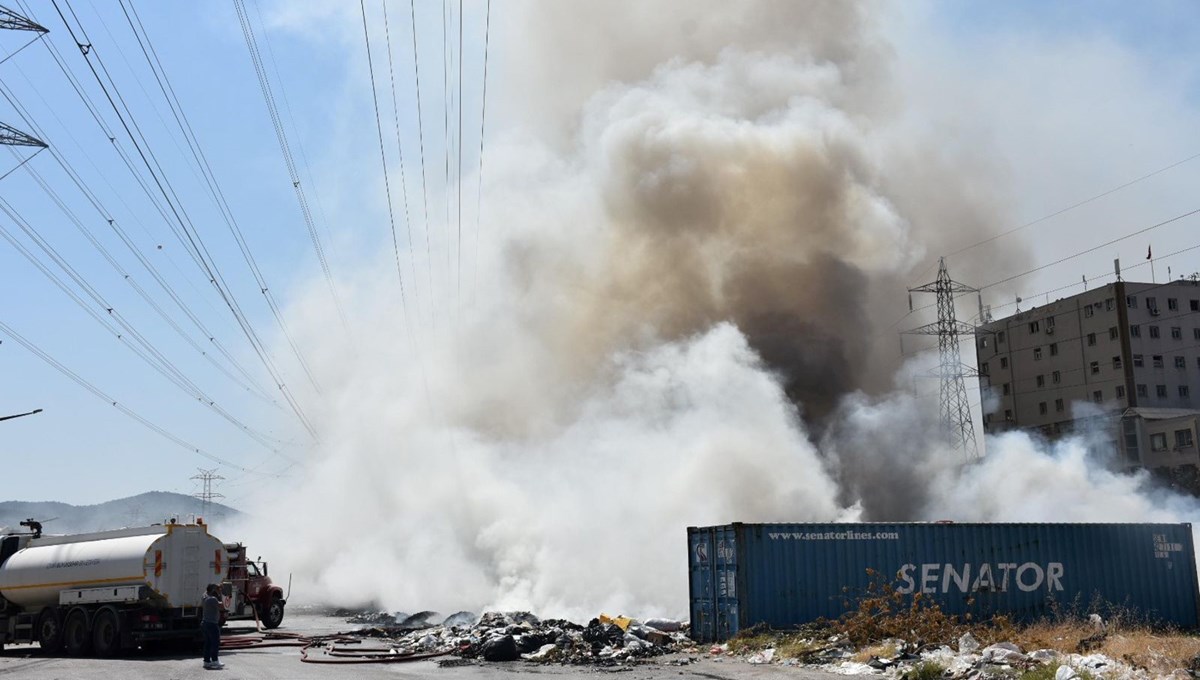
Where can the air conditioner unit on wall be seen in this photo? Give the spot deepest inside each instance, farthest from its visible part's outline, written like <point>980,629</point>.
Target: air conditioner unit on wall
<point>1049,330</point>
<point>1154,311</point>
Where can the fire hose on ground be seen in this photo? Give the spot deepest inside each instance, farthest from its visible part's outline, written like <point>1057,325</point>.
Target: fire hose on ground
<point>268,638</point>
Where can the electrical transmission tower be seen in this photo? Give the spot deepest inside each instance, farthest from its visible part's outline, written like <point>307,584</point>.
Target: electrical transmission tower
<point>15,22</point>
<point>207,496</point>
<point>10,136</point>
<point>955,409</point>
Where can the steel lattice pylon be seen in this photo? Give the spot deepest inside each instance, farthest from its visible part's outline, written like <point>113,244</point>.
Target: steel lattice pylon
<point>207,496</point>
<point>12,21</point>
<point>955,409</point>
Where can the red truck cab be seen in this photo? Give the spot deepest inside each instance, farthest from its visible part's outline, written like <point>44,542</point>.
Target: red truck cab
<point>249,591</point>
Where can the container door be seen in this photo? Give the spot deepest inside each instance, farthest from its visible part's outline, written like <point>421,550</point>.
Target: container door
<point>712,577</point>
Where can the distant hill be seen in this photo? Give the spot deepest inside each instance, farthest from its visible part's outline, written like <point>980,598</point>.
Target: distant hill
<point>140,510</point>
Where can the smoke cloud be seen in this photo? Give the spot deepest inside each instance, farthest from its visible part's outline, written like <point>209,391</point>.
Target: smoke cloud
<point>699,222</point>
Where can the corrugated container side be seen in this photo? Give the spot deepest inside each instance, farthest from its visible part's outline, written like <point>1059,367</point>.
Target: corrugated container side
<point>785,575</point>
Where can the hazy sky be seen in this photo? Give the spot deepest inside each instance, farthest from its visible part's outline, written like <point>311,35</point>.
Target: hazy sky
<point>1058,102</point>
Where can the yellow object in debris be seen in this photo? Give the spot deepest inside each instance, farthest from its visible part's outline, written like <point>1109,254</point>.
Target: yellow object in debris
<point>622,622</point>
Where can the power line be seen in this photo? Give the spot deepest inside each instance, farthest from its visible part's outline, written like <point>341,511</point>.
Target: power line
<point>421,135</point>
<point>458,183</point>
<point>1076,205</point>
<point>264,84</point>
<point>209,267</point>
<point>250,383</point>
<point>141,346</point>
<point>487,32</point>
<point>383,159</point>
<point>82,382</point>
<point>400,151</point>
<point>1069,257</point>
<point>214,187</point>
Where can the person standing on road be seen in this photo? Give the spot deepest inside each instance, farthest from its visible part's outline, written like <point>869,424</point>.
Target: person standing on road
<point>210,626</point>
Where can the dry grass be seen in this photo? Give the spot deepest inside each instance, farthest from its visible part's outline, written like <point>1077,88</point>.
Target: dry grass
<point>882,614</point>
<point>1159,652</point>
<point>884,651</point>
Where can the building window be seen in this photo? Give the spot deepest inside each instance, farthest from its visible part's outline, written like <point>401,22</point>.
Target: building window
<point>1183,439</point>
<point>1091,338</point>
<point>1158,441</point>
<point>1152,304</point>
<point>1176,333</point>
<point>1108,305</point>
<point>1131,300</point>
<point>1120,391</point>
<point>1034,326</point>
<point>1005,389</point>
<point>1008,414</point>
<point>1098,396</point>
<point>1154,331</point>
<point>983,368</point>
<point>1095,365</point>
<point>983,343</point>
<point>1058,405</point>
<point>1161,391</point>
<point>1195,305</point>
<point>1158,360</point>
<point>1117,363</point>
<point>1180,362</point>
<point>1041,381</point>
<point>1135,331</point>
<point>1000,338</point>
<point>1054,348</point>
<point>1037,353</point>
<point>1172,304</point>
<point>1042,408</point>
<point>1088,311</point>
<point>1184,392</point>
<point>1138,362</point>
<point>1056,377</point>
<point>1196,333</point>
<point>1142,391</point>
<point>1003,362</point>
<point>1112,333</point>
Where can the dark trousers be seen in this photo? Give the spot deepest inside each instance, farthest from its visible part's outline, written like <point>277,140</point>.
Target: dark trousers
<point>212,640</point>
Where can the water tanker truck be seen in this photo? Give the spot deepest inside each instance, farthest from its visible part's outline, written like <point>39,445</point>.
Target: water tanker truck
<point>102,592</point>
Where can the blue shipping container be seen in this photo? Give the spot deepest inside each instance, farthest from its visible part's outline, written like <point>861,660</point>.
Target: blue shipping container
<point>785,575</point>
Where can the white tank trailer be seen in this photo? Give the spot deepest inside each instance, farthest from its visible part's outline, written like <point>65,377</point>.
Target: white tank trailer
<point>102,592</point>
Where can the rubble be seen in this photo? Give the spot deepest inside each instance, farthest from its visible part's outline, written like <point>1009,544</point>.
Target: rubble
<point>620,641</point>
<point>520,636</point>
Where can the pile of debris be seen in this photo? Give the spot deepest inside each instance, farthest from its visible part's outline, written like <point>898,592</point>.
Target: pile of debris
<point>903,660</point>
<point>513,636</point>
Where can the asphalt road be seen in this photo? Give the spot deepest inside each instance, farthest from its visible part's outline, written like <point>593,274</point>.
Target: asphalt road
<point>27,663</point>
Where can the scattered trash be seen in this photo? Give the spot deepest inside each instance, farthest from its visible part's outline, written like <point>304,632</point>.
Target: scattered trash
<point>967,644</point>
<point>512,636</point>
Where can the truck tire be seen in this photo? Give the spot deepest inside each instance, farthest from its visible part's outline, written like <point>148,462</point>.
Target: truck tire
<point>272,614</point>
<point>77,635</point>
<point>49,631</point>
<point>106,632</point>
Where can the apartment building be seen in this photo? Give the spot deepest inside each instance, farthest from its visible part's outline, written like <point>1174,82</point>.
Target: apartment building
<point>1127,349</point>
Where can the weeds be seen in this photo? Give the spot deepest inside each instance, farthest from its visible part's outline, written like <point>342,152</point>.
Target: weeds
<point>926,670</point>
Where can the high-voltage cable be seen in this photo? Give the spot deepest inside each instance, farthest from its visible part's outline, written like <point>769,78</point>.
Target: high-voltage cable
<point>209,266</point>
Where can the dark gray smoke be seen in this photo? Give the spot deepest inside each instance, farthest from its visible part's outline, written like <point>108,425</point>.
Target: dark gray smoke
<point>700,221</point>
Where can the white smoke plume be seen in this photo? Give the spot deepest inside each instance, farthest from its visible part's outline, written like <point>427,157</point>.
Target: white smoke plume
<point>700,219</point>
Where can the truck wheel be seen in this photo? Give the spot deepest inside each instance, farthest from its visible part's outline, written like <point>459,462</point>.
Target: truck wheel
<point>272,614</point>
<point>49,631</point>
<point>77,637</point>
<point>106,632</point>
